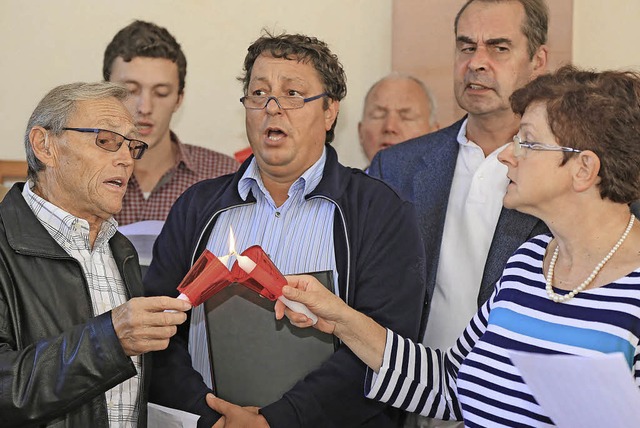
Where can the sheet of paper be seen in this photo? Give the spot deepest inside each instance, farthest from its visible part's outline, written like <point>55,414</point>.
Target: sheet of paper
<point>143,235</point>
<point>166,417</point>
<point>585,392</point>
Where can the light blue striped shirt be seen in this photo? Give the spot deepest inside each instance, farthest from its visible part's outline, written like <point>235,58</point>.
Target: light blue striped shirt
<point>297,236</point>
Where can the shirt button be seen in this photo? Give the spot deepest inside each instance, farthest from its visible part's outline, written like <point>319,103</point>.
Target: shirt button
<point>278,214</point>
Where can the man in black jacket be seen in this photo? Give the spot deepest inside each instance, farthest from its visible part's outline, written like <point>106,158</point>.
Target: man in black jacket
<point>310,214</point>
<point>73,331</point>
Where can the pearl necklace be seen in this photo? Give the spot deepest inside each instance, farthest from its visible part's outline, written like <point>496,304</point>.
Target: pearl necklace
<point>559,298</point>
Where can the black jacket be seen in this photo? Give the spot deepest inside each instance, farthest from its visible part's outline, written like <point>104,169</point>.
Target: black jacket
<point>56,358</point>
<point>380,263</point>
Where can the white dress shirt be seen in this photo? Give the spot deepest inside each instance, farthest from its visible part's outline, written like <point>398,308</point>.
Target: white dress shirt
<point>479,185</point>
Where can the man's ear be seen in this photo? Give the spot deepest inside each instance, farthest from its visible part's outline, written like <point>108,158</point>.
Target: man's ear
<point>331,113</point>
<point>179,101</point>
<point>586,169</point>
<point>539,61</point>
<point>41,145</point>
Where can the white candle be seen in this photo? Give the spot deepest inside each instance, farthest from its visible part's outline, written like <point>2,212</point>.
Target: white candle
<point>184,297</point>
<point>299,307</point>
<point>245,263</point>
<point>248,265</point>
<point>224,259</point>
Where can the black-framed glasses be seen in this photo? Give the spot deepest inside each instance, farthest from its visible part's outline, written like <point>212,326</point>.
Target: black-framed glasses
<point>111,141</point>
<point>519,145</point>
<point>258,102</point>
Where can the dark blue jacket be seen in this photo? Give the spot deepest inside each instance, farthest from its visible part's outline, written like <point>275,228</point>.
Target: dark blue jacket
<point>380,263</point>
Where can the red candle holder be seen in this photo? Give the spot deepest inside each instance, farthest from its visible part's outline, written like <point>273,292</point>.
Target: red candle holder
<point>209,276</point>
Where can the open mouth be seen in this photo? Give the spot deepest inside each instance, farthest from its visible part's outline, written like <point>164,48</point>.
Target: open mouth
<point>116,182</point>
<point>144,128</point>
<point>275,134</point>
<point>476,86</point>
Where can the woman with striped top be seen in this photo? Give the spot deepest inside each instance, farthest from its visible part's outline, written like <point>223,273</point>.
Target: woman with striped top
<point>574,164</point>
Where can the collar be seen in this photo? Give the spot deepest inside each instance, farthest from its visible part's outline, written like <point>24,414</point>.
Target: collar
<point>182,154</point>
<point>462,134</point>
<point>309,180</point>
<point>63,225</point>
<point>26,235</point>
<point>464,141</point>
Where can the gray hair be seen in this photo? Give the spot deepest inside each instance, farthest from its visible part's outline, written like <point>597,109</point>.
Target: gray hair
<point>54,110</point>
<point>433,117</point>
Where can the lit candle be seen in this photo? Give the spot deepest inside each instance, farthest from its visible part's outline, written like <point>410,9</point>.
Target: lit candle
<point>248,265</point>
<point>224,259</point>
<point>232,241</point>
<point>245,263</point>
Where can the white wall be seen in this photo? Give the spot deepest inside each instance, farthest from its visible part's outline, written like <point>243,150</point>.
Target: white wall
<point>47,43</point>
<point>605,33</point>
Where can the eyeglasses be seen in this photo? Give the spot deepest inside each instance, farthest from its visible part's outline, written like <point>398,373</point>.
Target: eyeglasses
<point>111,141</point>
<point>258,102</point>
<point>519,144</point>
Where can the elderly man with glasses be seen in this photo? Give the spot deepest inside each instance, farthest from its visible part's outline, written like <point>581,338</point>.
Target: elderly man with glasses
<point>73,327</point>
<point>310,214</point>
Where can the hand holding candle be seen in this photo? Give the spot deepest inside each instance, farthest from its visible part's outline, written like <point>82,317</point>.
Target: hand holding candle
<point>273,282</point>
<point>254,270</point>
<point>206,277</point>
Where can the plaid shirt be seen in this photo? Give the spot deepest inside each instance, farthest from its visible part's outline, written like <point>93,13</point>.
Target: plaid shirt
<point>193,164</point>
<point>105,284</point>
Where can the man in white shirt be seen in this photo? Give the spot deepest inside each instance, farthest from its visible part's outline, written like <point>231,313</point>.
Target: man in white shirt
<point>453,176</point>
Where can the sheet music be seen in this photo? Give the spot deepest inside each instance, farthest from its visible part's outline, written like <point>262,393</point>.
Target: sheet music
<point>585,392</point>
<point>143,235</point>
<point>166,417</point>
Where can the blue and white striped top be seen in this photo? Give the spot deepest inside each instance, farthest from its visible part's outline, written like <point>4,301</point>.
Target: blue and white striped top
<point>475,379</point>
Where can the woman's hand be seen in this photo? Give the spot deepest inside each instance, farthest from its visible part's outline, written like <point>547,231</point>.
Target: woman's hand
<point>328,307</point>
<point>364,336</point>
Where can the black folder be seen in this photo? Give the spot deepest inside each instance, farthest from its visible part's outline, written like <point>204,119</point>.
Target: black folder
<point>255,358</point>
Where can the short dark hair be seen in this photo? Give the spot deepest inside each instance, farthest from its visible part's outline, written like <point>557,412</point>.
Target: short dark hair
<point>145,39</point>
<point>596,111</point>
<point>535,26</point>
<point>301,48</point>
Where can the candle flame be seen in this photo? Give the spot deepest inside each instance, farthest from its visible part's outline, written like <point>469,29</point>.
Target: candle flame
<point>232,241</point>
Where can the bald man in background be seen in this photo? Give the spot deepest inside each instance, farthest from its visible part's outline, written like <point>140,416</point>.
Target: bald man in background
<point>397,108</point>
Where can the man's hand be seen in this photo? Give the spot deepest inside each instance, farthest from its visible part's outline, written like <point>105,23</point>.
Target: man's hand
<point>235,416</point>
<point>142,325</point>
